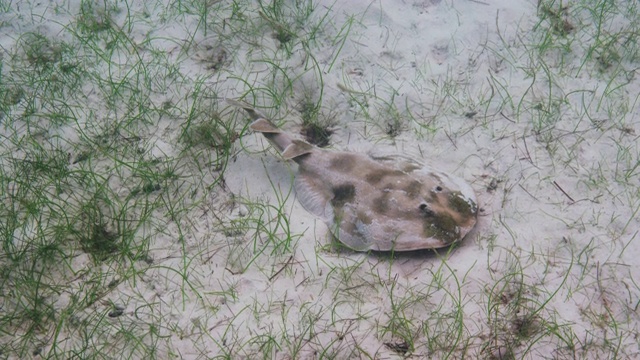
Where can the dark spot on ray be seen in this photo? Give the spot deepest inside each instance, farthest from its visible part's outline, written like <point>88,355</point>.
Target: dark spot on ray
<point>462,206</point>
<point>381,204</point>
<point>376,176</point>
<point>413,188</point>
<point>442,227</point>
<point>409,167</point>
<point>343,194</point>
<point>344,162</point>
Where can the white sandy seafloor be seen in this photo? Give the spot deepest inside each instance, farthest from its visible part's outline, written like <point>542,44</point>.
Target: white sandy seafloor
<point>549,272</point>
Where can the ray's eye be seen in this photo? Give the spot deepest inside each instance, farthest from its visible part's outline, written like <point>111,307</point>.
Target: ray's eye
<point>438,188</point>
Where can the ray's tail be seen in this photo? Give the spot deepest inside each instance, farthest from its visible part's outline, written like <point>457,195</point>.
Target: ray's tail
<point>290,148</point>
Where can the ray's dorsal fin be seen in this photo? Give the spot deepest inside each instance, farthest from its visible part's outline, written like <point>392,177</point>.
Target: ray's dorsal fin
<point>291,149</point>
<point>297,148</point>
<point>264,126</point>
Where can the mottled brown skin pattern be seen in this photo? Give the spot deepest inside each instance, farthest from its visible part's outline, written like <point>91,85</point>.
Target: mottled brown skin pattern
<point>386,208</point>
<point>381,204</point>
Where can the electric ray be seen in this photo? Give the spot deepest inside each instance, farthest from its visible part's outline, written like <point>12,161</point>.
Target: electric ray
<point>375,203</point>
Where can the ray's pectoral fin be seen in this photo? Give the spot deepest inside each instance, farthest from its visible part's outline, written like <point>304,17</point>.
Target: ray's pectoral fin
<point>313,194</point>
<point>351,240</point>
<point>346,225</point>
<point>349,230</point>
<point>318,198</point>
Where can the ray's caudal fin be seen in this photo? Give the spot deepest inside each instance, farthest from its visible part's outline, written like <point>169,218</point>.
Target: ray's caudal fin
<point>291,149</point>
